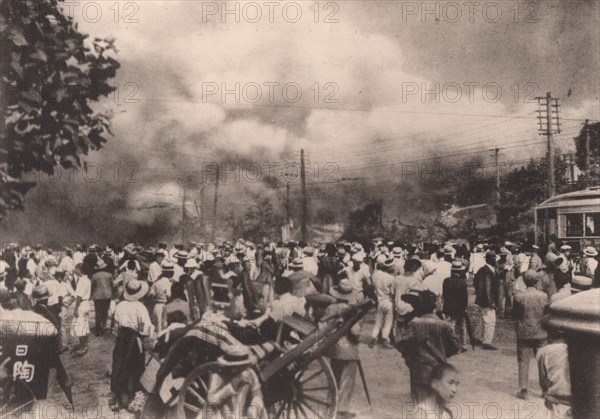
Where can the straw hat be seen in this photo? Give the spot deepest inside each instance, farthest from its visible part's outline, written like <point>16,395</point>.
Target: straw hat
<point>235,355</point>
<point>167,266</point>
<point>580,283</point>
<point>135,289</point>
<point>40,292</point>
<point>181,254</point>
<point>389,263</point>
<point>344,291</point>
<point>590,252</point>
<point>457,266</point>
<point>297,263</point>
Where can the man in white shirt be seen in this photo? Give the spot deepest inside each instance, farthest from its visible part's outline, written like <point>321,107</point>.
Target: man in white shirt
<point>78,255</point>
<point>155,270</point>
<point>67,264</point>
<point>384,284</point>
<point>477,259</point>
<point>310,264</point>
<point>83,293</point>
<point>589,263</point>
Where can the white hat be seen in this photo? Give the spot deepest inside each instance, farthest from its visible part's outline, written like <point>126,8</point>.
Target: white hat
<point>397,251</point>
<point>135,289</point>
<point>181,254</point>
<point>381,259</point>
<point>358,257</point>
<point>167,265</point>
<point>590,251</point>
<point>308,250</point>
<point>565,247</point>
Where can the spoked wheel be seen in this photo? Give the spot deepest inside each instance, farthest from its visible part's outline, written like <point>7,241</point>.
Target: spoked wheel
<point>199,390</point>
<point>311,393</point>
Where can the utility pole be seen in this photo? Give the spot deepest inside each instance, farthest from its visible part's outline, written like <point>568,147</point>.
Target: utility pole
<point>586,124</point>
<point>183,215</point>
<point>304,197</point>
<point>214,224</point>
<point>496,158</point>
<point>287,202</point>
<point>549,123</point>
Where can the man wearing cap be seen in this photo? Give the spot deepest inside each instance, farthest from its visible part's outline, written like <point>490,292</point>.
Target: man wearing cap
<point>344,355</point>
<point>588,263</point>
<point>565,254</point>
<point>384,283</point>
<point>528,310</point>
<point>485,282</point>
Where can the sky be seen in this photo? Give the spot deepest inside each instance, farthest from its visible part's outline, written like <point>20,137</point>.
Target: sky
<point>366,88</point>
<point>381,82</point>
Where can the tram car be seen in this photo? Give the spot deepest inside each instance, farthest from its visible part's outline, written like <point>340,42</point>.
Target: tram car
<point>573,218</point>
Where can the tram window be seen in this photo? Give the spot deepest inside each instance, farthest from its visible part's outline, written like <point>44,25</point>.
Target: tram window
<point>574,225</point>
<point>592,224</point>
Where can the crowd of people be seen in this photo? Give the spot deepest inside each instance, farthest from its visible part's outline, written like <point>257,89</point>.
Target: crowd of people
<point>421,292</point>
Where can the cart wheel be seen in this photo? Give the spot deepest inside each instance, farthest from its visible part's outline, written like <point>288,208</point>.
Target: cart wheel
<point>193,400</point>
<point>312,394</point>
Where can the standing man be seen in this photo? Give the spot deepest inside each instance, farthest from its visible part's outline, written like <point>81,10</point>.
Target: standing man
<point>102,293</point>
<point>384,283</point>
<point>161,291</point>
<point>455,300</point>
<point>528,311</point>
<point>484,283</point>
<point>344,354</point>
<point>83,292</point>
<point>154,270</point>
